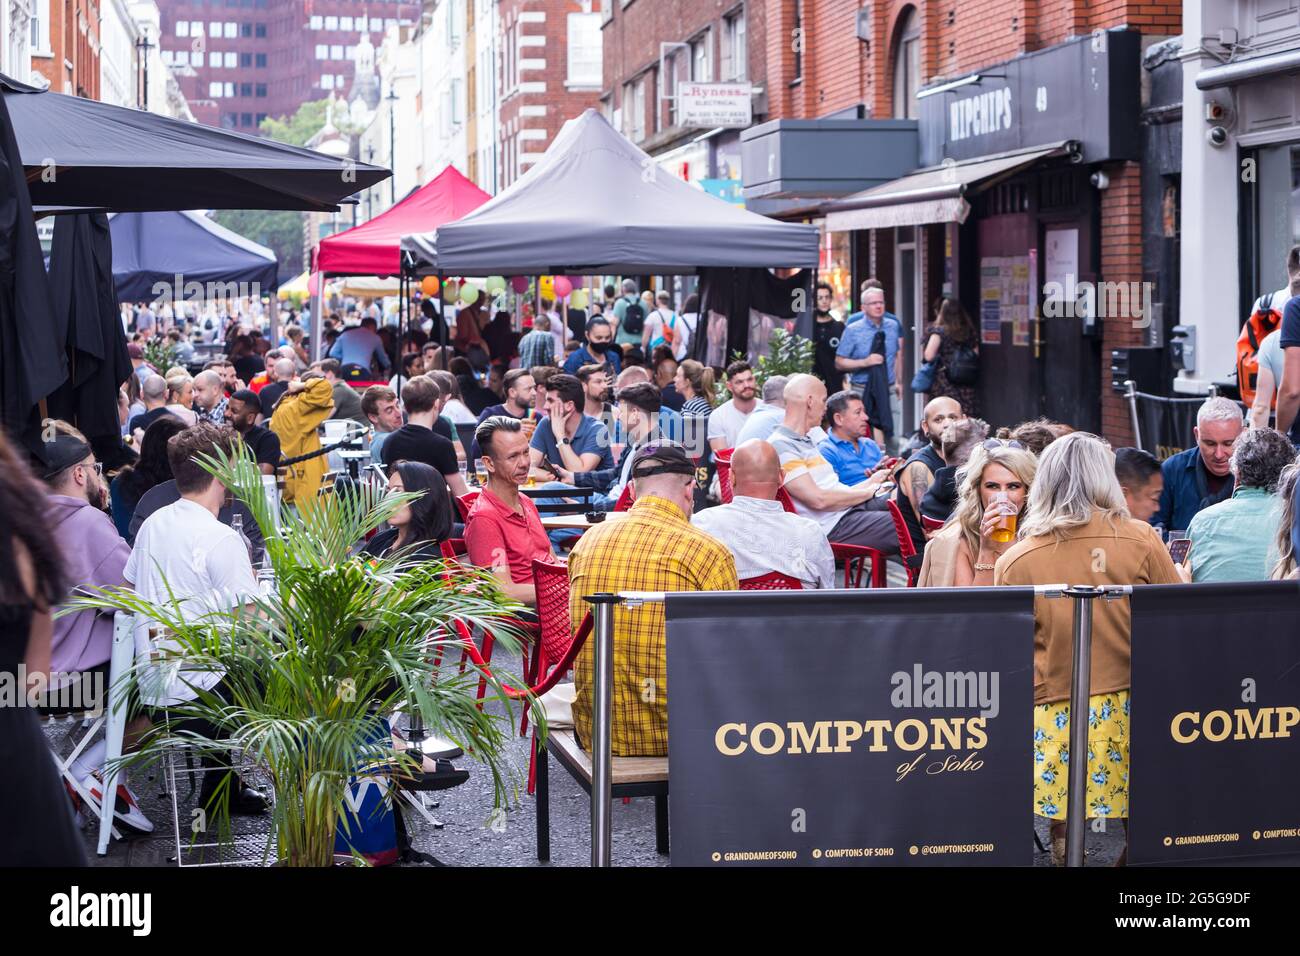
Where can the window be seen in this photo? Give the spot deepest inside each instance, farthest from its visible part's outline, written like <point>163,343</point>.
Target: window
<point>229,120</point>
<point>231,30</point>
<point>230,60</point>
<point>260,90</point>
<point>245,119</point>
<point>331,23</point>
<point>214,29</point>
<point>349,53</point>
<point>196,28</point>
<point>260,60</point>
<point>457,104</point>
<point>245,89</point>
<point>245,59</point>
<point>318,22</point>
<point>229,90</point>
<point>182,29</point>
<point>389,23</point>
<point>214,59</point>
<point>907,65</point>
<point>735,60</point>
<point>181,57</point>
<point>702,57</point>
<point>327,81</point>
<point>584,49</point>
<point>245,29</point>
<point>214,90</point>
<point>345,23</point>
<point>363,24</point>
<point>259,30</point>
<point>261,118</point>
<point>322,51</point>
<point>336,52</point>
<point>634,109</point>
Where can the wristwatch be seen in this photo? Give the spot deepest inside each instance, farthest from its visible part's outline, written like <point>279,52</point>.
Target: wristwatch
<point>563,441</point>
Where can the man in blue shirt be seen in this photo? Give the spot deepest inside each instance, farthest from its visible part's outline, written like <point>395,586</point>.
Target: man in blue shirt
<point>1200,476</point>
<point>846,447</point>
<point>566,437</point>
<point>599,349</point>
<point>854,354</point>
<point>360,345</point>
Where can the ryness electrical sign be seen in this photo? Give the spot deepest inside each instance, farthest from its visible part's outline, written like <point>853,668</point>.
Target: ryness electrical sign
<point>867,728</point>
<point>1085,90</point>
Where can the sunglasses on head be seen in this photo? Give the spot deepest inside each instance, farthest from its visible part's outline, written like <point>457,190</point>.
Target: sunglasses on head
<point>1003,443</point>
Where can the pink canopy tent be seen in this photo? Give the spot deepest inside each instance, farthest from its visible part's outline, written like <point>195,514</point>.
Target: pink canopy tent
<point>374,248</point>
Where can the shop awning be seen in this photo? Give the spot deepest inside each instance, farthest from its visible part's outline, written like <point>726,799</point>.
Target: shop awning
<point>936,194</point>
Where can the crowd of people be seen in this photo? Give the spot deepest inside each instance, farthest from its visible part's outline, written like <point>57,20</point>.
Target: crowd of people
<point>614,406</point>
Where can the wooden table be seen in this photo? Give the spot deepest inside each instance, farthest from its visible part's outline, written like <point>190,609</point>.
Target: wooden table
<point>577,522</point>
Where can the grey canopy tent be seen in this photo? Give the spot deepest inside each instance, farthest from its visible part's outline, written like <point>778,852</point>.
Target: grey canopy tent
<point>595,203</point>
<point>80,152</point>
<point>153,248</point>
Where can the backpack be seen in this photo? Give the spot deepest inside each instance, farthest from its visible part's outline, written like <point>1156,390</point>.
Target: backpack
<point>1263,320</point>
<point>634,317</point>
<point>964,366</point>
<point>668,333</point>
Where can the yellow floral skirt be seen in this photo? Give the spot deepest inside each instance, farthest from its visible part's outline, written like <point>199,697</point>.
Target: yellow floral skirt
<point>1107,756</point>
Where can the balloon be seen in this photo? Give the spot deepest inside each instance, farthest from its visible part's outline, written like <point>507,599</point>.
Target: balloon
<point>429,286</point>
<point>562,286</point>
<point>469,294</point>
<point>496,285</point>
<point>546,287</point>
<point>519,284</point>
<point>578,299</point>
<point>450,289</point>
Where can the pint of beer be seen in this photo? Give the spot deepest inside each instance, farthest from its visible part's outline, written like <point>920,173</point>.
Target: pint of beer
<point>1005,529</point>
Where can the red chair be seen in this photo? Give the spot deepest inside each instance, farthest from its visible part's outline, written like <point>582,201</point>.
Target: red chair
<point>855,558</point>
<point>772,581</point>
<point>722,463</point>
<point>931,525</point>
<point>464,503</point>
<point>453,549</point>
<point>787,502</point>
<point>625,499</point>
<point>906,549</point>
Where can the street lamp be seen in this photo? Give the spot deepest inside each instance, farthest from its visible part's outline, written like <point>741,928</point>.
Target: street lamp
<point>370,193</point>
<point>392,143</point>
<point>144,46</point>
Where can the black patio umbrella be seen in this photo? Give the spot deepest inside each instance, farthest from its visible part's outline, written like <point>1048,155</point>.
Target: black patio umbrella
<point>32,362</point>
<point>90,329</point>
<point>80,152</point>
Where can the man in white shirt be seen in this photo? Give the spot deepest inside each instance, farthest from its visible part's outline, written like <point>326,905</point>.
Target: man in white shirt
<point>762,535</point>
<point>183,552</point>
<point>726,421</point>
<point>847,515</point>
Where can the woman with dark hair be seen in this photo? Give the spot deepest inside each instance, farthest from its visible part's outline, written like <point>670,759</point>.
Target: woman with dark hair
<point>36,825</point>
<point>421,525</point>
<point>951,335</point>
<point>153,468</point>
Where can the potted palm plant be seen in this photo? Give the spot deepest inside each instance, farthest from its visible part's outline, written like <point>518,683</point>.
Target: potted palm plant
<point>333,643</point>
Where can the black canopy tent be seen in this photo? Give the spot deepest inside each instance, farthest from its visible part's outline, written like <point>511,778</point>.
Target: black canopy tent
<point>80,152</point>
<point>153,248</point>
<point>647,222</point>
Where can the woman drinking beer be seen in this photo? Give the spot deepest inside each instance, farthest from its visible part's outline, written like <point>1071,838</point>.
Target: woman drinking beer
<point>992,491</point>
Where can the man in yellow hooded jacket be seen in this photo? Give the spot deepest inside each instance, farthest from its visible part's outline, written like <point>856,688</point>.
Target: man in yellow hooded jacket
<point>300,411</point>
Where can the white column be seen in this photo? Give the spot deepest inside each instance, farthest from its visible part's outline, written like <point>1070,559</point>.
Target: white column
<point>1210,183</point>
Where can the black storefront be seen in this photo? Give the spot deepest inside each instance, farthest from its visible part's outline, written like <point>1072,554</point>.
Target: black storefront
<point>1005,213</point>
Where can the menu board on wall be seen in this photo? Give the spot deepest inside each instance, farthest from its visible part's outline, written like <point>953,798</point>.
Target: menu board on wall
<point>1004,297</point>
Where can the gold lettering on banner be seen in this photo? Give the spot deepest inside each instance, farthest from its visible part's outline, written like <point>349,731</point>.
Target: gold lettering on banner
<point>1266,723</point>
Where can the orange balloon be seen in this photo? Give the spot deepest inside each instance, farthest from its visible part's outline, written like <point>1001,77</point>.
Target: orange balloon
<point>430,285</point>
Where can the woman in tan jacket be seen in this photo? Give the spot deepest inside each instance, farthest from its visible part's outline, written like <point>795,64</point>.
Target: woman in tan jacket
<point>962,553</point>
<point>1077,530</point>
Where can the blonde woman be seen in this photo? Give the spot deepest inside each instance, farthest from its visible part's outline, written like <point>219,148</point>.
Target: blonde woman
<point>180,395</point>
<point>1077,530</point>
<point>1286,526</point>
<point>995,482</point>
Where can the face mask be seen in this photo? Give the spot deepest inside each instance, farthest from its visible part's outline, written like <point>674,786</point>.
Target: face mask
<point>600,348</point>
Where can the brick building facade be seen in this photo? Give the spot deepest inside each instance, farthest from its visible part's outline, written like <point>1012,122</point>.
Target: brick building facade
<point>67,53</point>
<point>845,59</point>
<point>548,70</point>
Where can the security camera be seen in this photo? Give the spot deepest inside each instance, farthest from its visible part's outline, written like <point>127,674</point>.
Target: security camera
<point>1099,180</point>
<point>1216,136</point>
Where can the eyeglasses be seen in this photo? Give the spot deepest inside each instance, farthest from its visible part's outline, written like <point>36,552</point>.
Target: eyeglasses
<point>1003,443</point>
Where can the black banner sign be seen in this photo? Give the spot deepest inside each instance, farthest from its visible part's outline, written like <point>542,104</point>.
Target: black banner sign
<point>851,727</point>
<point>1215,751</point>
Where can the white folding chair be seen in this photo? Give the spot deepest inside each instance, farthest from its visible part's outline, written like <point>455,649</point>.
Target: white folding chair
<point>115,718</point>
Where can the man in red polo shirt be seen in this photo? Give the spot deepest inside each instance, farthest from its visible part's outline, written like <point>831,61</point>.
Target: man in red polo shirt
<point>503,531</point>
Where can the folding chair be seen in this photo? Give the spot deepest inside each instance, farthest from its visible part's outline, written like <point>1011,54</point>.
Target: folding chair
<point>625,499</point>
<point>722,464</point>
<point>772,581</point>
<point>906,549</point>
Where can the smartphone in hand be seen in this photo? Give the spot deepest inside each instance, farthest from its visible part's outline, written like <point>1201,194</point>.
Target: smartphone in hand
<point>1178,549</point>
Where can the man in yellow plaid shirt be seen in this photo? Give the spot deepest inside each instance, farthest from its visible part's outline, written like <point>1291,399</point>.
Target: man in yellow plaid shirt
<point>653,548</point>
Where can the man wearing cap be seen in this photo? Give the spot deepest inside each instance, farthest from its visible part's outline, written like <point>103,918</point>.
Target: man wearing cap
<point>652,548</point>
<point>95,556</point>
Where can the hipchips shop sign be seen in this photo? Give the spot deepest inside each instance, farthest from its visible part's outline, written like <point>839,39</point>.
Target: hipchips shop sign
<point>906,741</point>
<point>715,104</point>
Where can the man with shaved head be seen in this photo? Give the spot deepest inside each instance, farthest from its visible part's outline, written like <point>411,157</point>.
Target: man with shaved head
<point>282,373</point>
<point>856,515</point>
<point>209,398</point>
<point>915,476</point>
<point>761,535</point>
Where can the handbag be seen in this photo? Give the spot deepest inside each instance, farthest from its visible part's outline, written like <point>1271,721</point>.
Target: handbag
<point>923,380</point>
<point>964,368</point>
